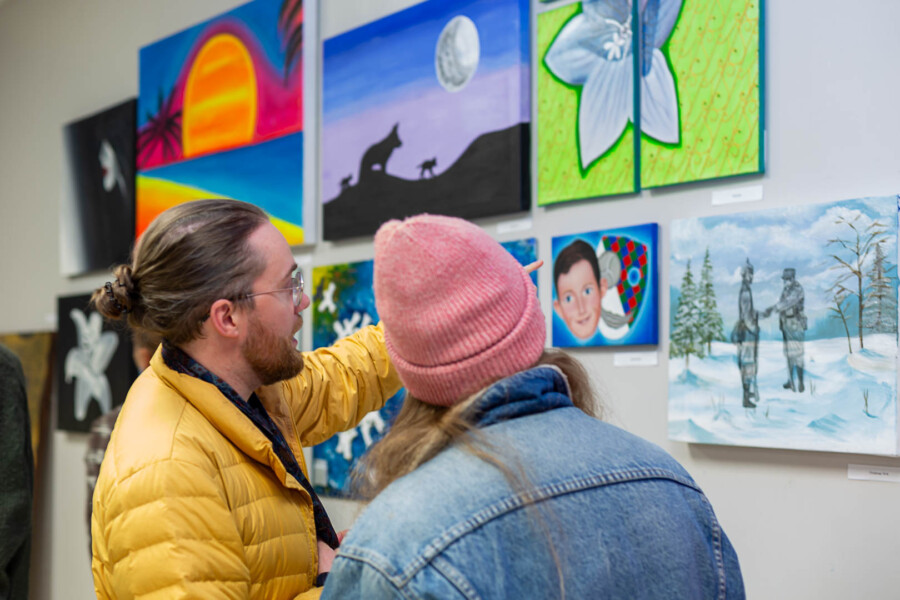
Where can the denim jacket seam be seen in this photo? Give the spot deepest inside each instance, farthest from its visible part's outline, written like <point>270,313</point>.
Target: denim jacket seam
<point>538,494</point>
<point>381,565</point>
<point>455,578</point>
<point>718,552</point>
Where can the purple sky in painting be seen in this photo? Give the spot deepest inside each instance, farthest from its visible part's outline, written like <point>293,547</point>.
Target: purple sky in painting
<point>435,123</point>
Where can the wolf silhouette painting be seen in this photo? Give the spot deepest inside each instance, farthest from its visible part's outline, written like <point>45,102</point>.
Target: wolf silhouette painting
<point>379,153</point>
<point>442,82</point>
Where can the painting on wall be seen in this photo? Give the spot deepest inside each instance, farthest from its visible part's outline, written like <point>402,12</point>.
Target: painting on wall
<point>587,102</point>
<point>698,76</point>
<point>426,110</point>
<point>702,91</point>
<point>96,217</point>
<point>94,367</point>
<point>220,115</point>
<point>525,252</point>
<point>605,287</point>
<point>783,328</point>
<point>343,303</point>
<point>36,352</point>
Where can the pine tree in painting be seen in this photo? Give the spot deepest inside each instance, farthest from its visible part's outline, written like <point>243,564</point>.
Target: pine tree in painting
<point>686,338</point>
<point>711,326</point>
<point>881,307</point>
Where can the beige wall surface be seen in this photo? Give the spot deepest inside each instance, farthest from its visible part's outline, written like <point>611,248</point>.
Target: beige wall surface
<point>801,528</point>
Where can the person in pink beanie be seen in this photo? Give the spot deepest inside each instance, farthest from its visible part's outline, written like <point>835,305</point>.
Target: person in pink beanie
<point>496,479</point>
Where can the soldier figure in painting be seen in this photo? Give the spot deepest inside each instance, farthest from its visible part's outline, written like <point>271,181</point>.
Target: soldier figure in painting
<point>792,321</point>
<point>746,336</point>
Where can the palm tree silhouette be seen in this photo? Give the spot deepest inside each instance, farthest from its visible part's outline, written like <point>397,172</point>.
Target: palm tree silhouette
<point>290,23</point>
<point>164,129</point>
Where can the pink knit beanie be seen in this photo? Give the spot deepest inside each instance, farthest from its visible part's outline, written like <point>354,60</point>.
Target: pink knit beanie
<point>458,311</point>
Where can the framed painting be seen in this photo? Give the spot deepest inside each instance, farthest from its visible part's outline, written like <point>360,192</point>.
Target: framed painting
<point>96,217</point>
<point>783,328</point>
<point>426,110</point>
<point>587,102</point>
<point>94,366</point>
<point>702,74</point>
<point>220,115</point>
<point>605,287</point>
<point>618,111</point>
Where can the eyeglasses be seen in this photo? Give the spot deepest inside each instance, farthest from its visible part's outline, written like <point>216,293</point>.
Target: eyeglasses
<point>296,289</point>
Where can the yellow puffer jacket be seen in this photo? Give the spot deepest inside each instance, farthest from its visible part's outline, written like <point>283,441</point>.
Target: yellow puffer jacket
<point>192,501</point>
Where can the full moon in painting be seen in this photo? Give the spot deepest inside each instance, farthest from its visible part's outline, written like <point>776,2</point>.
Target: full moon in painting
<point>457,53</point>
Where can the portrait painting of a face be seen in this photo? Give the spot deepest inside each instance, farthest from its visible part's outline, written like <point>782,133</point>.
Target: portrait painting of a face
<point>605,288</point>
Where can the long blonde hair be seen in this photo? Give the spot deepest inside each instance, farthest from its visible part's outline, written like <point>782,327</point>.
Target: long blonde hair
<point>421,431</point>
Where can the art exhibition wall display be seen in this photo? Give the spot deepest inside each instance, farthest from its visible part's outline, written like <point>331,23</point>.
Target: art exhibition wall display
<point>96,216</point>
<point>94,367</point>
<point>36,353</point>
<point>343,303</point>
<point>691,84</point>
<point>426,110</point>
<point>220,115</point>
<point>605,287</point>
<point>783,328</point>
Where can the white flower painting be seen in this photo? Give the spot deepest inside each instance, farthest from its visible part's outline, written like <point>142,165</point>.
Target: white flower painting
<point>595,50</point>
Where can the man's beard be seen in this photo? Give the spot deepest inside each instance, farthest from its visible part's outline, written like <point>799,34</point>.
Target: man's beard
<point>272,358</point>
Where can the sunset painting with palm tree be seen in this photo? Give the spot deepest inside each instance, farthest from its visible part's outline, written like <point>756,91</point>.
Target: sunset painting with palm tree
<point>220,115</point>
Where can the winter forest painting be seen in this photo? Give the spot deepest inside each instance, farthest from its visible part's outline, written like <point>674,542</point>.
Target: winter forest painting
<point>783,328</point>
<point>426,110</point>
<point>220,115</point>
<point>343,302</point>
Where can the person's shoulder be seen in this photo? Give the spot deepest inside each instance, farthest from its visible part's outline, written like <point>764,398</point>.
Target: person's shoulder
<point>9,361</point>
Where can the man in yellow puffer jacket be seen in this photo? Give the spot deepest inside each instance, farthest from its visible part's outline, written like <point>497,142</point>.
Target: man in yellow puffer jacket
<point>203,492</point>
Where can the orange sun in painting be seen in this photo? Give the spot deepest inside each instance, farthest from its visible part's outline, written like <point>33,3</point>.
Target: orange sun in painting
<point>219,98</point>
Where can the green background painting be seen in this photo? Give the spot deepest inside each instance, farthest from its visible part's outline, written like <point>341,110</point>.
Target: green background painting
<point>714,55</point>
<point>560,177</point>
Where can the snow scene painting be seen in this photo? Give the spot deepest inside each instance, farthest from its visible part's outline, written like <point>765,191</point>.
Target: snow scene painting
<point>605,287</point>
<point>343,303</point>
<point>426,110</point>
<point>783,328</point>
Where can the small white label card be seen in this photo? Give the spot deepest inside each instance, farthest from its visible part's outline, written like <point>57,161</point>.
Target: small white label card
<point>515,225</point>
<point>873,473</point>
<point>750,193</point>
<point>636,359</point>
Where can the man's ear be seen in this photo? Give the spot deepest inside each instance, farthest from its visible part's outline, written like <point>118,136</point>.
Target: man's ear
<point>604,285</point>
<point>224,318</point>
<point>557,308</point>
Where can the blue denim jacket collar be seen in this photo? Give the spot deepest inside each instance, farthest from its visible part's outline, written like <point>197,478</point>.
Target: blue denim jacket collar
<point>526,393</point>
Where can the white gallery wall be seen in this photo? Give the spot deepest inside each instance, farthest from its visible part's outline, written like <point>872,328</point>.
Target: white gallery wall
<point>802,529</point>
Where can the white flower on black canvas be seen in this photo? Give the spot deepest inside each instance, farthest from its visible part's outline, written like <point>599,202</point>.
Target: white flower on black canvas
<point>87,362</point>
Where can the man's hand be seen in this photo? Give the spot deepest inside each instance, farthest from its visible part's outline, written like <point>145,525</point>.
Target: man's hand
<point>534,266</point>
<point>326,557</point>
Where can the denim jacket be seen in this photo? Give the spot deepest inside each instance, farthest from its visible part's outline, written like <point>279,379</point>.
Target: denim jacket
<point>600,513</point>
